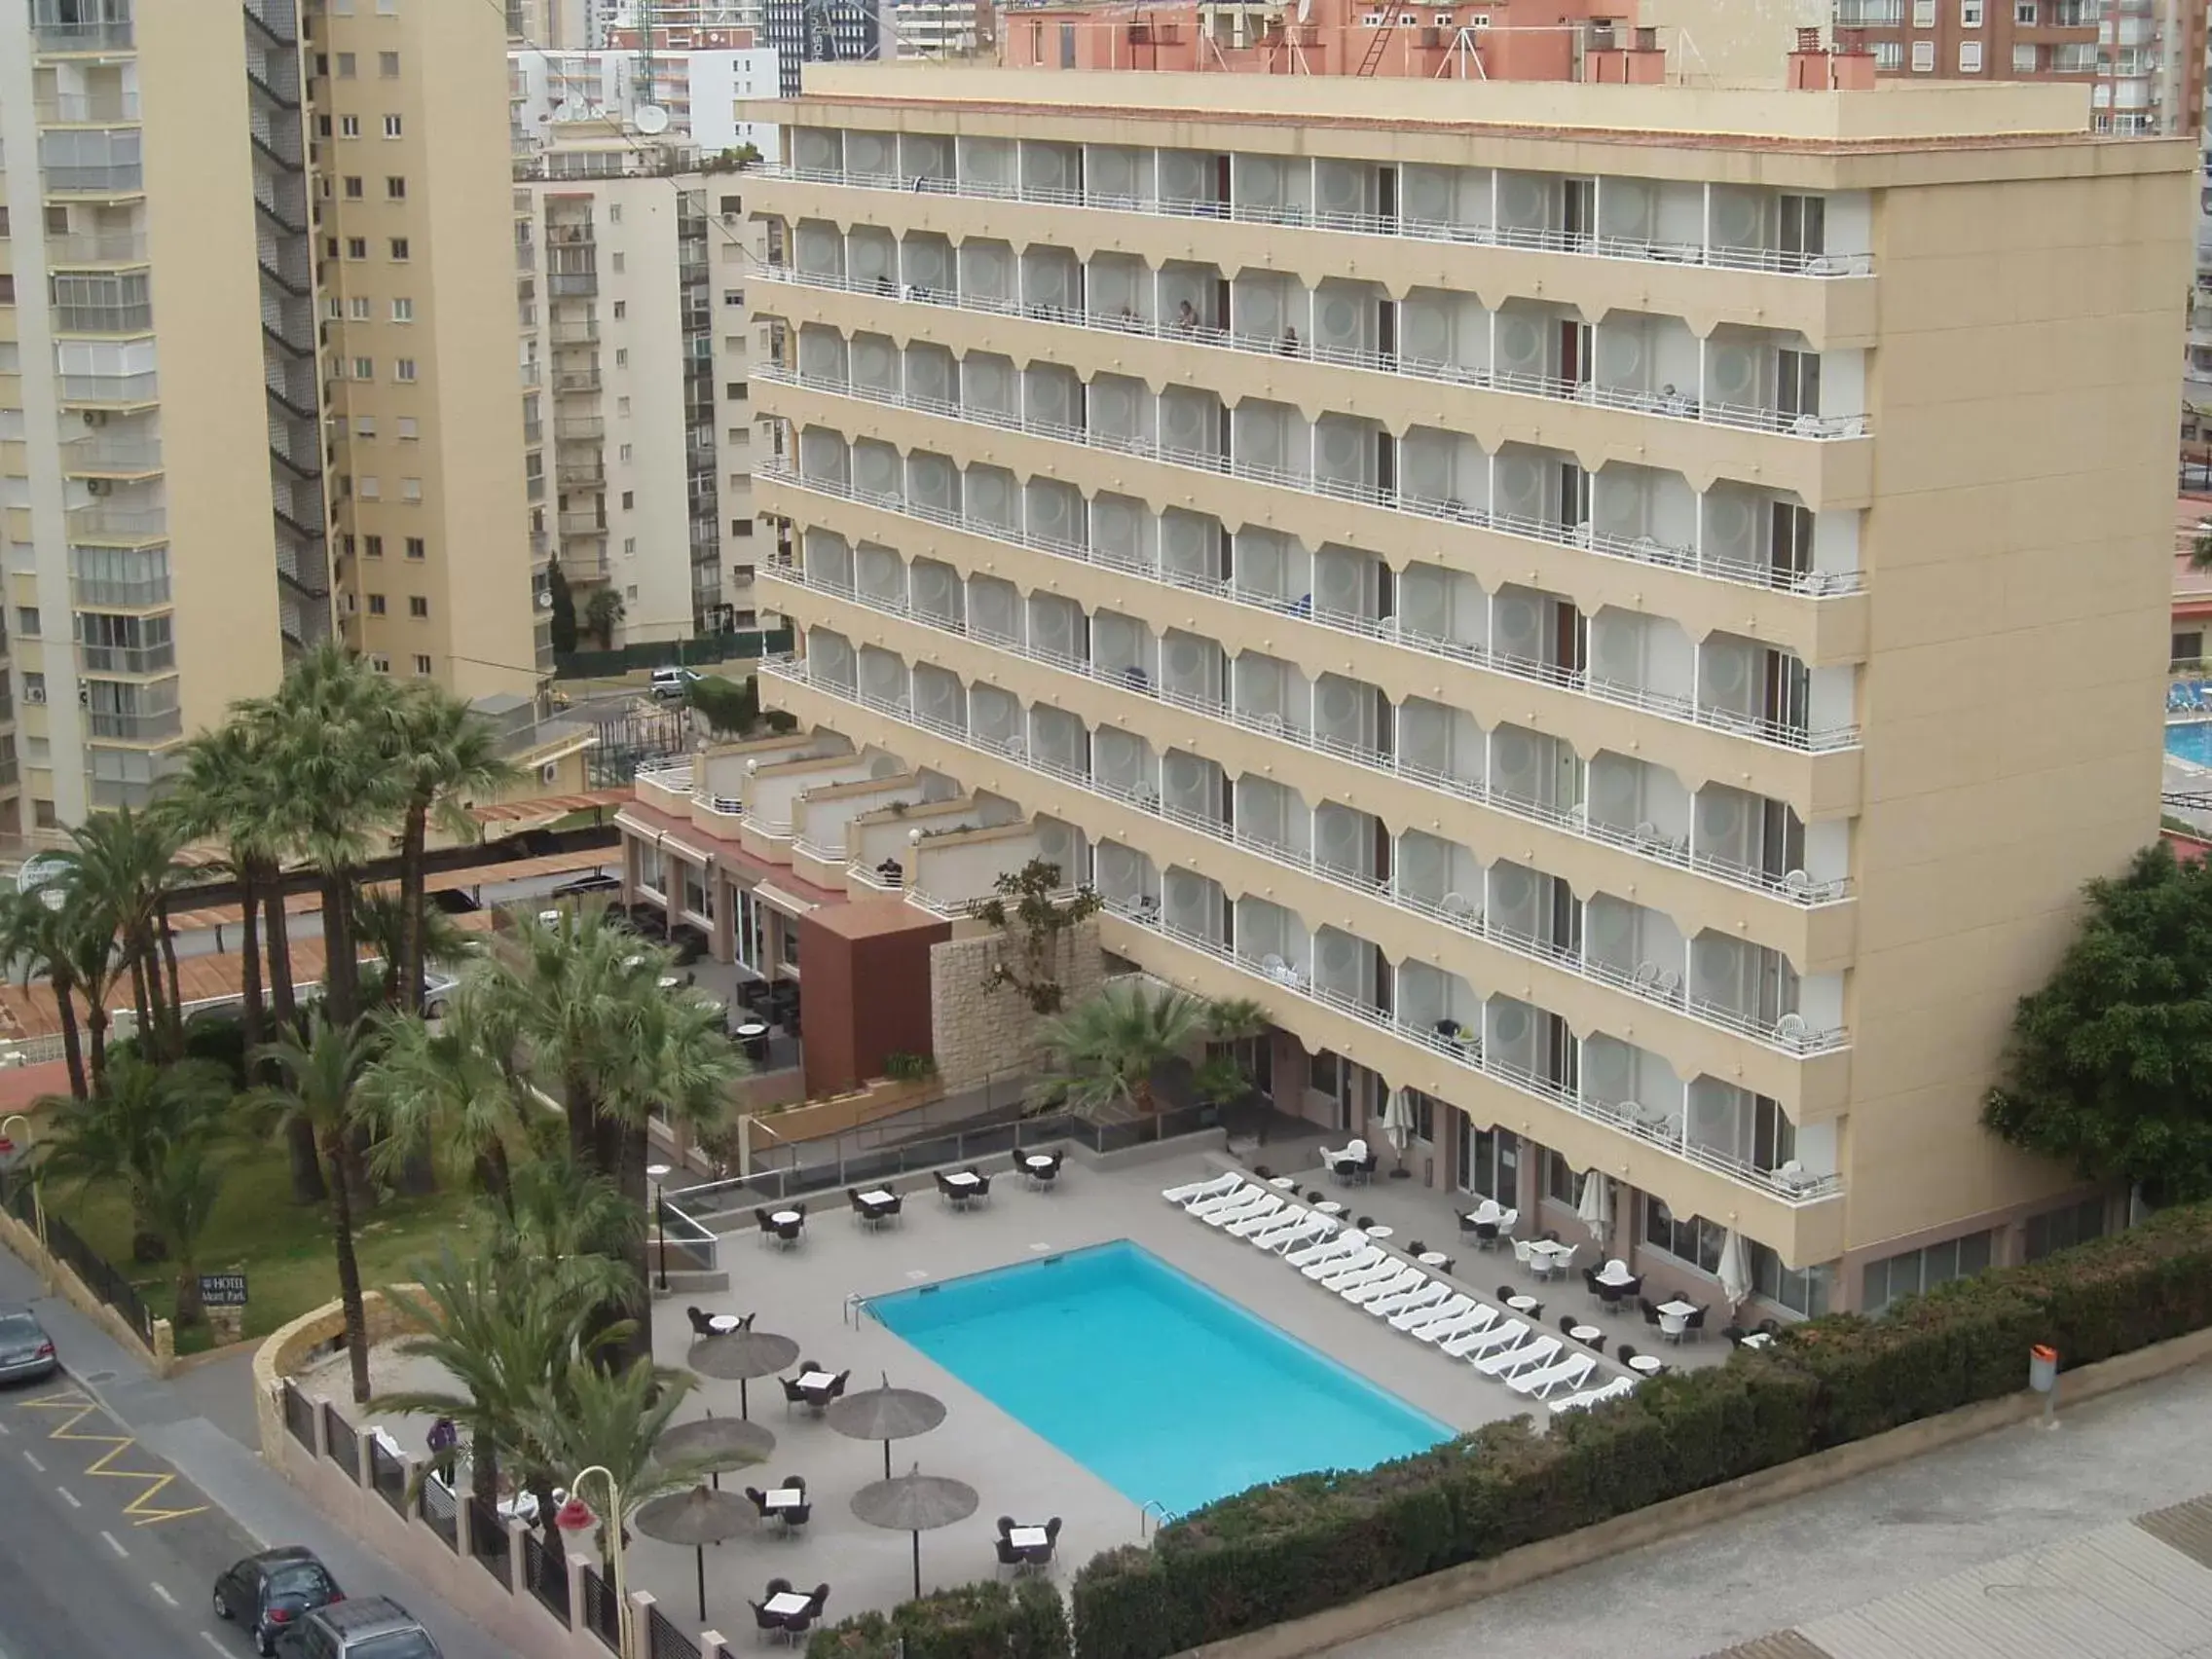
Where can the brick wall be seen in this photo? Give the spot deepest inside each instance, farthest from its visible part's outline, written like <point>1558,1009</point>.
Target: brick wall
<point>977,1029</point>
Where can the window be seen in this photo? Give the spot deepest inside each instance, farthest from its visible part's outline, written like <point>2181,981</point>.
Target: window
<point>1562,1184</point>
<point>346,66</point>
<point>364,425</point>
<point>741,527</point>
<point>330,246</point>
<point>375,605</point>
<point>622,406</point>
<point>373,546</point>
<point>334,309</point>
<point>391,127</point>
<point>379,663</point>
<point>1969,57</point>
<point>394,188</point>
<point>421,664</point>
<point>28,621</point>
<point>372,487</point>
<point>733,296</point>
<point>629,547</point>
<point>738,391</point>
<point>1970,13</point>
<point>2189,649</point>
<point>629,499</point>
<point>1690,1239</point>
<point>2063,1229</point>
<point>403,369</point>
<point>407,427</point>
<point>624,455</point>
<point>1923,57</point>
<point>732,205</point>
<point>364,368</point>
<point>1915,1271</point>
<point>2023,59</point>
<point>417,606</point>
<point>1889,55</point>
<point>356,248</point>
<point>346,545</point>
<point>349,126</point>
<point>403,310</point>
<point>615,265</point>
<point>2025,11</point>
<point>411,489</point>
<point>614,213</point>
<point>359,306</point>
<point>621,309</point>
<point>418,548</point>
<point>34,688</point>
<point>387,65</point>
<point>322,127</point>
<point>353,187</point>
<point>400,249</point>
<point>1808,1291</point>
<point>1923,14</point>
<point>622,356</point>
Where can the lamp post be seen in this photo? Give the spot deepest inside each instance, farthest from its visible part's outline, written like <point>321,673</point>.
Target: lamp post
<point>576,1516</point>
<point>37,1194</point>
<point>659,1173</point>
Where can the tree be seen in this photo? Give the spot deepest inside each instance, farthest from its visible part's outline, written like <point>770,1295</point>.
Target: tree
<point>615,1419</point>
<point>1104,1050</point>
<point>117,870</point>
<point>564,608</point>
<point>148,1130</point>
<point>732,707</point>
<point>1029,900</point>
<point>34,943</point>
<point>2110,1065</point>
<point>317,1082</point>
<point>602,611</point>
<point>379,928</point>
<point>1221,1079</point>
<point>563,1222</point>
<point>433,1091</point>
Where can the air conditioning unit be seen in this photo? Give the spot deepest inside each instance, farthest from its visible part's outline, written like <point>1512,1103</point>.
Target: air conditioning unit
<point>34,693</point>
<point>548,773</point>
<point>96,417</point>
<point>99,486</point>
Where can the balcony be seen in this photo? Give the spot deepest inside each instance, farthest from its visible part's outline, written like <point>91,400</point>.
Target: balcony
<point>529,372</point>
<point>571,283</point>
<point>126,659</point>
<point>574,382</point>
<point>87,109</point>
<point>52,32</point>
<point>578,428</point>
<point>93,593</point>
<point>96,247</point>
<point>131,728</point>
<point>135,318</point>
<point>581,524</point>
<point>111,458</point>
<point>116,527</point>
<point>580,473</point>
<point>574,333</point>
<point>113,180</point>
<point>109,392</point>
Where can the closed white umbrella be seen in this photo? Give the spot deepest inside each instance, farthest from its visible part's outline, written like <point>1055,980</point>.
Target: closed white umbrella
<point>1398,1121</point>
<point>1595,1209</point>
<point>1734,1270</point>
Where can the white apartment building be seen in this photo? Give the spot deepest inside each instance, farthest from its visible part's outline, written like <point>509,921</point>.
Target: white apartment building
<point>632,266</point>
<point>699,89</point>
<point>940,28</point>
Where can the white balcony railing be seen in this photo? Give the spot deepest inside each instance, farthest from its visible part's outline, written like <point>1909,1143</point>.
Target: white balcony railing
<point>1791,1034</point>
<point>1666,405</point>
<point>1642,550</point>
<point>1397,632</point>
<point>1720,257</point>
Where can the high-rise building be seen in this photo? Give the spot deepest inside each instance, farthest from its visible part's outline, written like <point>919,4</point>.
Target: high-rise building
<point>636,340</point>
<point>1616,610</point>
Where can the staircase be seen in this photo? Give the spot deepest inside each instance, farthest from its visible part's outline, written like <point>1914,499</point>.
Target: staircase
<point>1375,49</point>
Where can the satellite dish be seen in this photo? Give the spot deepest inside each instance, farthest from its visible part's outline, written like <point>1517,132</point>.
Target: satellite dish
<point>567,109</point>
<point>652,118</point>
<point>546,601</point>
<point>42,874</point>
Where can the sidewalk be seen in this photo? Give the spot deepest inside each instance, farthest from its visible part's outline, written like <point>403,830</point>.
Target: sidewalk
<point>197,1424</point>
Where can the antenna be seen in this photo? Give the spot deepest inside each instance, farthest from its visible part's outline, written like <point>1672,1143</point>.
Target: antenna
<point>644,15</point>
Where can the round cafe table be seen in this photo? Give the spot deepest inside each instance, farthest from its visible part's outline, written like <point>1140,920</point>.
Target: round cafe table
<point>1330,1206</point>
<point>1380,1232</point>
<point>1646,1364</point>
<point>1283,1183</point>
<point>1434,1258</point>
<point>1585,1333</point>
<point>1522,1303</point>
<point>783,1218</point>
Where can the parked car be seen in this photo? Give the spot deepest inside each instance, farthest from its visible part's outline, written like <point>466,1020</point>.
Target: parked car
<point>671,684</point>
<point>273,1590</point>
<point>375,1627</point>
<point>597,881</point>
<point>438,987</point>
<point>26,1351</point>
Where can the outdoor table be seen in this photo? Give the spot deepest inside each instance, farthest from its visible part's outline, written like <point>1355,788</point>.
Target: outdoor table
<point>1585,1333</point>
<point>783,1497</point>
<point>1616,1281</point>
<point>1647,1364</point>
<point>669,981</point>
<point>1758,1340</point>
<point>1434,1258</point>
<point>878,1196</point>
<point>1331,1208</point>
<point>964,1179</point>
<point>784,1604</point>
<point>750,1029</point>
<point>816,1379</point>
<point>1039,1161</point>
<point>1550,1252</point>
<point>1522,1303</point>
<point>1027,1538</point>
<point>724,1323</point>
<point>549,917</point>
<point>1678,1306</point>
<point>783,1218</point>
<point>1283,1183</point>
<point>1380,1232</point>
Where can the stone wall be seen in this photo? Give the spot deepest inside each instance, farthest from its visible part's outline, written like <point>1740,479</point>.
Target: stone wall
<point>978,1030</point>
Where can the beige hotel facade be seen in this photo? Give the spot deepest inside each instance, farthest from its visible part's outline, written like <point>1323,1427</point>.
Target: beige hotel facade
<point>1627,611</point>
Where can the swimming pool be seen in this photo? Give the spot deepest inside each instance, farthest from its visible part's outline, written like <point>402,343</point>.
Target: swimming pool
<point>1166,1391</point>
<point>2191,740</point>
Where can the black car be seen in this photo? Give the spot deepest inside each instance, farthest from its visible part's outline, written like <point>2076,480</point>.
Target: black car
<point>273,1591</point>
<point>26,1351</point>
<point>375,1627</point>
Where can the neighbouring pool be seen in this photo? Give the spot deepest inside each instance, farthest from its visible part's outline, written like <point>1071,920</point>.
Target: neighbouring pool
<point>2191,740</point>
<point>1166,1391</point>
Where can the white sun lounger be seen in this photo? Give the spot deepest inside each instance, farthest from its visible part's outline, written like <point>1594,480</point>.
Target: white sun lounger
<point>1338,1244</point>
<point>1279,1226</point>
<point>1427,1294</point>
<point>1205,1209</point>
<point>1388,1285</point>
<point>1508,1363</point>
<point>1561,1376</point>
<point>1382,1266</point>
<point>1356,1259</point>
<point>1582,1402</point>
<point>1418,1315</point>
<point>1473,1321</point>
<point>1488,1340</point>
<point>1197,1190</point>
<point>1288,1235</point>
<point>1265,1213</point>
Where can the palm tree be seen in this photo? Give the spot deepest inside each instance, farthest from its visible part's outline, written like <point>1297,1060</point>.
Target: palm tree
<point>614,1418</point>
<point>446,752</point>
<point>1105,1050</point>
<point>503,1337</point>
<point>564,1223</point>
<point>120,867</point>
<point>317,1082</point>
<point>442,1090</point>
<point>381,927</point>
<point>34,945</point>
<point>148,1130</point>
<point>1232,1022</point>
<point>83,940</point>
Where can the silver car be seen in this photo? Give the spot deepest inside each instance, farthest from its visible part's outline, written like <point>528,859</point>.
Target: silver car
<point>26,1351</point>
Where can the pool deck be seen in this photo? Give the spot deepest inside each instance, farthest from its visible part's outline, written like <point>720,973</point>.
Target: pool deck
<point>803,1294</point>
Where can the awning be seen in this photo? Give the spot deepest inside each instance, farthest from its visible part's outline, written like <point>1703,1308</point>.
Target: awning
<point>547,807</point>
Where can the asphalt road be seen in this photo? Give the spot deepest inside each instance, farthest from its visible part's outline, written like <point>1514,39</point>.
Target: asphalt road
<point>108,1549</point>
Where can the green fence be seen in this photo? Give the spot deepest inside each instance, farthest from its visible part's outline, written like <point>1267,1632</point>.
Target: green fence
<point>746,646</point>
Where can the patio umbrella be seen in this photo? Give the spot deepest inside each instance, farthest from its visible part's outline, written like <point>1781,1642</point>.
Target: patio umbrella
<point>697,1518</point>
<point>886,1414</point>
<point>1735,1273</point>
<point>1596,1210</point>
<point>714,1444</point>
<point>739,1356</point>
<point>1398,1121</point>
<point>917,1503</point>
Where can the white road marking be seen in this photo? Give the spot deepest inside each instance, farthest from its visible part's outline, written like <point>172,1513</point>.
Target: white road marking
<point>75,1502</point>
<point>32,1459</point>
<point>163,1594</point>
<point>113,1545</point>
<point>5,1430</point>
<point>214,1641</point>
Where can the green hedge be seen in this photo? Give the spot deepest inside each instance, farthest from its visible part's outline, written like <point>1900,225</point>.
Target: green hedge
<point>973,1621</point>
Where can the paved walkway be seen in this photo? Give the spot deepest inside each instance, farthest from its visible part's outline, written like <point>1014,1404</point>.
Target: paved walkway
<point>2016,1544</point>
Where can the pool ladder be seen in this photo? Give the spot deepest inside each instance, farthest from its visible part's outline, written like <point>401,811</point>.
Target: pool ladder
<point>1147,1510</point>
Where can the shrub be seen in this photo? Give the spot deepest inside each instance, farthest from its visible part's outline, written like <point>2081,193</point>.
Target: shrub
<point>970,1621</point>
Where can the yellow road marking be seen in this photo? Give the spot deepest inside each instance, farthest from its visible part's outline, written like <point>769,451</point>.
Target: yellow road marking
<point>141,1509</point>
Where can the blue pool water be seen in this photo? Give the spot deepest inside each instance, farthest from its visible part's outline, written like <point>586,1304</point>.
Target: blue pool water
<point>1166,1391</point>
<point>2191,740</point>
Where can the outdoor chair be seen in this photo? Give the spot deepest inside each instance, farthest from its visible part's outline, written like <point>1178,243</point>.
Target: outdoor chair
<point>1590,1283</point>
<point>1694,1325</point>
<point>1650,1309</point>
<point>760,1502</point>
<point>794,1483</point>
<point>1624,1353</point>
<point>764,1622</point>
<point>701,1325</point>
<point>1009,1555</point>
<point>817,1598</point>
<point>1041,1555</point>
<point>777,1587</point>
<point>1672,1326</point>
<point>767,1227</point>
<point>1485,1234</point>
<point>793,1394</point>
<point>837,1385</point>
<point>796,1517</point>
<point>1735,1335</point>
<point>796,1626</point>
<point>787,1231</point>
<point>1609,1296</point>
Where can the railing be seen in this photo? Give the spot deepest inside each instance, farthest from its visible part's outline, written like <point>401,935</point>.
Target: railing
<point>1668,405</point>
<point>601,1615</point>
<point>663,1640</point>
<point>103,319</point>
<point>1651,1127</point>
<point>108,34</point>
<point>113,178</point>
<point>546,1573</point>
<point>135,728</point>
<point>1643,550</point>
<point>1718,257</point>
<point>299,1414</point>
<point>87,108</point>
<point>96,247</point>
<point>1399,631</point>
<point>434,1503</point>
<point>140,388</point>
<point>98,1275</point>
<point>120,594</point>
<point>488,1541</point>
<point>388,1473</point>
<point>111,455</point>
<point>1794,887</point>
<point>344,1442</point>
<point>95,525</point>
<point>126,659</point>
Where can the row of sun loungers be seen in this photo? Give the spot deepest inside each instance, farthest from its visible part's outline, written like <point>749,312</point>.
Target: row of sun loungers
<point>1497,1344</point>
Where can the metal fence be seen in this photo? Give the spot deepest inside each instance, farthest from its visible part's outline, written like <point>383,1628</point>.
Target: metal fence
<point>663,1640</point>
<point>488,1541</point>
<point>434,1503</point>
<point>601,1615</point>
<point>546,1573</point>
<point>740,646</point>
<point>344,1442</point>
<point>388,1474</point>
<point>299,1415</point>
<point>101,1278</point>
